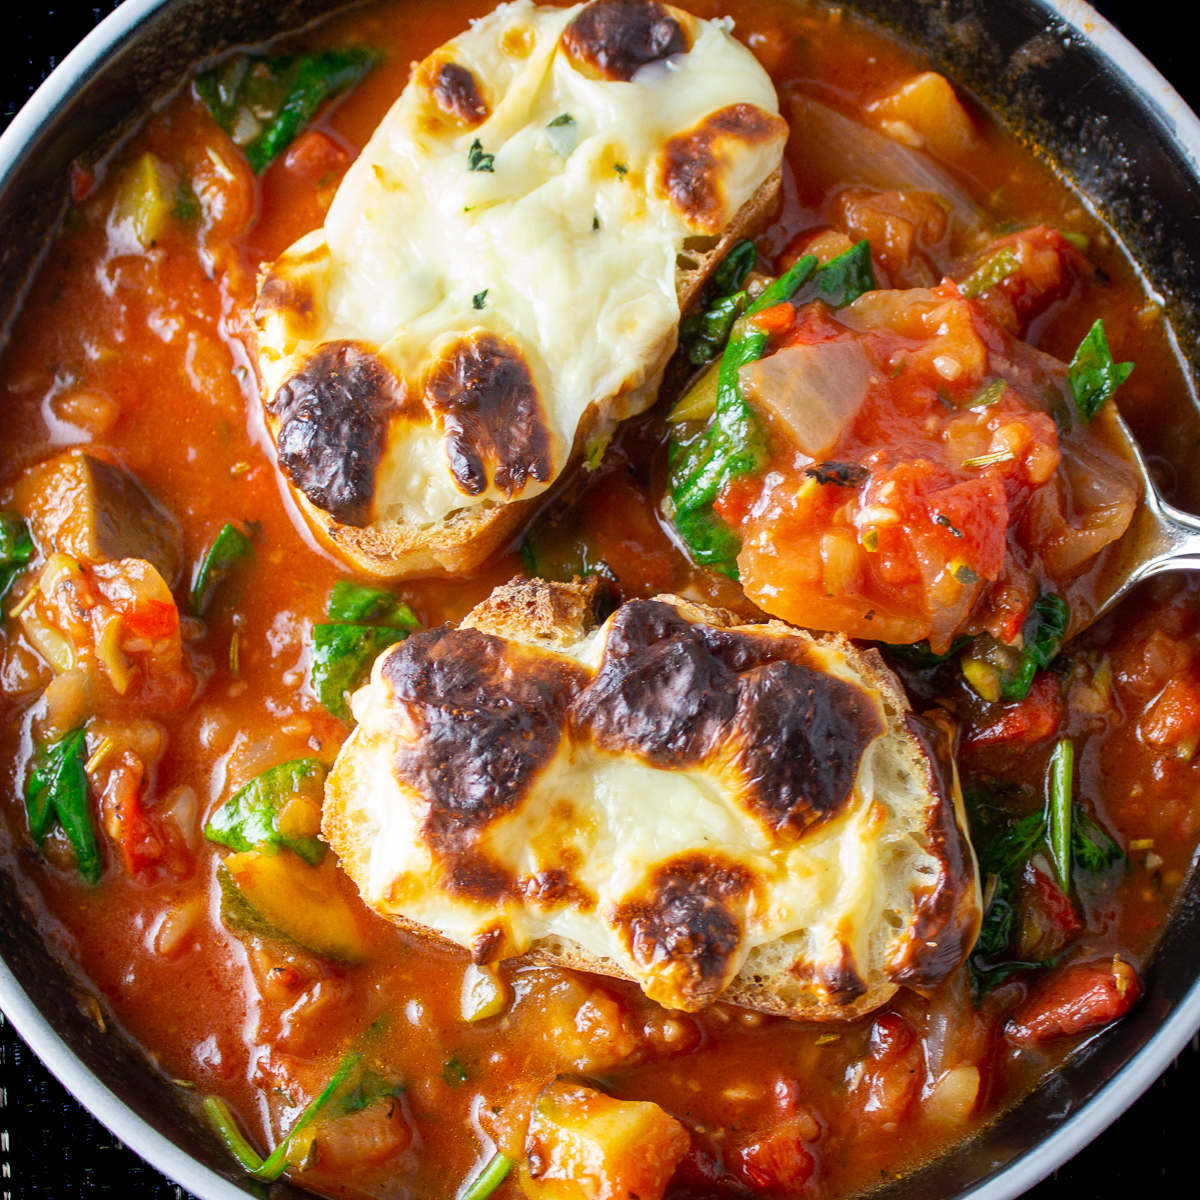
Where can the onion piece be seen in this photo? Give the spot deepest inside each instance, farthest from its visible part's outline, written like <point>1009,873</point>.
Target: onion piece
<point>850,153</point>
<point>814,391</point>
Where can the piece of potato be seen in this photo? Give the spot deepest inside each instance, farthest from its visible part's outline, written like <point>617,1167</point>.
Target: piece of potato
<point>146,197</point>
<point>583,1145</point>
<point>80,505</point>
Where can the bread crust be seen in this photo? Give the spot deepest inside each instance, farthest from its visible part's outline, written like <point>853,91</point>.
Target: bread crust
<point>396,550</point>
<point>558,616</point>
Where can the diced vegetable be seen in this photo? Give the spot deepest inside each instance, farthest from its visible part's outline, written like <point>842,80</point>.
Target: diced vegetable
<point>813,390</point>
<point>355,602</point>
<point>1001,673</point>
<point>490,1178</point>
<point>1093,375</point>
<point>1084,997</point>
<point>16,548</point>
<point>582,1144</point>
<point>1060,785</point>
<point>927,106</point>
<point>341,657</point>
<point>80,505</point>
<point>146,199</point>
<point>484,993</point>
<point>999,266</point>
<point>263,103</point>
<point>281,898</point>
<point>57,790</point>
<point>280,807</point>
<point>369,1088</point>
<point>229,547</point>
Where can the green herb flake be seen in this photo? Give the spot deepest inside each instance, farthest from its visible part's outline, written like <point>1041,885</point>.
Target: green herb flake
<point>944,521</point>
<point>621,169</point>
<point>1092,375</point>
<point>560,120</point>
<point>479,299</point>
<point>249,819</point>
<point>1091,847</point>
<point>477,160</point>
<point>264,102</point>
<point>454,1073</point>
<point>229,547</point>
<point>989,395</point>
<point>57,790</point>
<point>992,271</point>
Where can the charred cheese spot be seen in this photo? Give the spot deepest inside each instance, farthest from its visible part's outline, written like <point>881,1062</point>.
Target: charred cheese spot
<point>554,888</point>
<point>613,39</point>
<point>796,743</point>
<point>691,163</point>
<point>684,930</point>
<point>487,716</point>
<point>837,982</point>
<point>679,694</point>
<point>292,294</point>
<point>332,419</point>
<point>456,91</point>
<point>484,396</point>
<point>944,924</point>
<point>659,692</point>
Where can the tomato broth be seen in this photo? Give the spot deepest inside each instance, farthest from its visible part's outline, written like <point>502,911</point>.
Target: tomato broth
<point>149,356</point>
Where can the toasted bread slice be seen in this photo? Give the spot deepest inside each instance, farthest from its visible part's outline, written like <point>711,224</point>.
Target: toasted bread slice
<point>711,809</point>
<point>499,280</point>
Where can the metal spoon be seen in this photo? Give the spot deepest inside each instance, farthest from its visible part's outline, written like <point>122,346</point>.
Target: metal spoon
<point>1160,538</point>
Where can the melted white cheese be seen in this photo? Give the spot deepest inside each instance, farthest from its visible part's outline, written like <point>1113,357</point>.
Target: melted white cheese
<point>577,257</point>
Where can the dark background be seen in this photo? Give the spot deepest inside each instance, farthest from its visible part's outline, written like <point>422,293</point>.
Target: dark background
<point>51,1148</point>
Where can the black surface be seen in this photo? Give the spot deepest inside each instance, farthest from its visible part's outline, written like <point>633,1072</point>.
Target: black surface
<point>50,1147</point>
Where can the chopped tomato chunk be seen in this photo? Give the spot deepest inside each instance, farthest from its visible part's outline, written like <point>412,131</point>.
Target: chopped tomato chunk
<point>1081,998</point>
<point>1026,723</point>
<point>777,1161</point>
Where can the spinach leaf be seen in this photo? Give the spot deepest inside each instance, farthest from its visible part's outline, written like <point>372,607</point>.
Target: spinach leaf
<point>229,547</point>
<point>918,655</point>
<point>732,443</point>
<point>1003,854</point>
<point>710,541</point>
<point>263,103</point>
<point>843,279</point>
<point>1043,634</point>
<point>369,1087</point>
<point>1093,375</point>
<point>995,933</point>
<point>999,266</point>
<point>734,267</point>
<point>704,333</point>
<point>57,789</point>
<point>984,977</point>
<point>1091,847</point>
<point>356,603</point>
<point>16,548</point>
<point>341,657</point>
<point>250,817</point>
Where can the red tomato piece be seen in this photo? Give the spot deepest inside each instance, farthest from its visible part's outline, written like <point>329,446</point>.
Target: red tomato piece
<point>315,155</point>
<point>1083,997</point>
<point>777,1161</point>
<point>1026,723</point>
<point>152,619</point>
<point>1056,904</point>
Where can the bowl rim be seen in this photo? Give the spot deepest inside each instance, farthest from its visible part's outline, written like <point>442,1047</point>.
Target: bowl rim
<point>18,141</point>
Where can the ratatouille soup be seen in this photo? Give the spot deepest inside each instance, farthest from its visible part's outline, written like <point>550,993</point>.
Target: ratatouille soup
<point>889,415</point>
